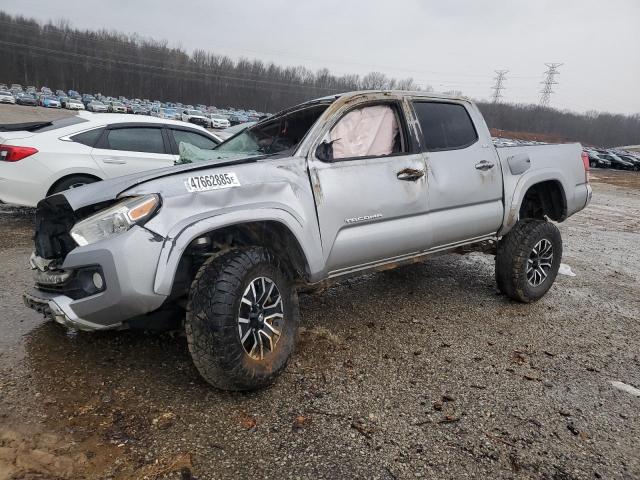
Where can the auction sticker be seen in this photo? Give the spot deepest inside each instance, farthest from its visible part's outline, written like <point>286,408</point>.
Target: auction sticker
<point>204,183</point>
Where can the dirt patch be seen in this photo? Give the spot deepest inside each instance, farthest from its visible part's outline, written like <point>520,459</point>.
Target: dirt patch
<point>618,178</point>
<point>29,453</point>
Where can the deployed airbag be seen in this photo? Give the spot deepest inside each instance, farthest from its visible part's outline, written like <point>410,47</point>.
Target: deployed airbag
<point>369,131</point>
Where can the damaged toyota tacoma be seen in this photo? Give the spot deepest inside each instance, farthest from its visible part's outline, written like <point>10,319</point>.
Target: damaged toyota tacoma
<point>330,188</point>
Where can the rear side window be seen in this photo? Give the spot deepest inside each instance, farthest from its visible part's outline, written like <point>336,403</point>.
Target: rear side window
<point>193,138</point>
<point>445,126</point>
<point>136,139</point>
<point>88,138</point>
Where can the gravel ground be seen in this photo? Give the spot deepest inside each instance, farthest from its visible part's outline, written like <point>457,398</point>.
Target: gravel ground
<point>22,113</point>
<point>424,371</point>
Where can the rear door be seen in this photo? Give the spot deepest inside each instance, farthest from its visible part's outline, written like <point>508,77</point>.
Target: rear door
<point>371,207</point>
<point>464,173</point>
<point>130,148</point>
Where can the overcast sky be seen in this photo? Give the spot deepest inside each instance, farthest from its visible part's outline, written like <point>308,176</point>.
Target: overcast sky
<point>448,44</point>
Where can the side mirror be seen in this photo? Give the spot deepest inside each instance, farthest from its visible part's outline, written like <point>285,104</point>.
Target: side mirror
<point>324,151</point>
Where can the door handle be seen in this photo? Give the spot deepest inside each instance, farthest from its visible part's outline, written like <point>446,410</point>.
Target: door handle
<point>410,174</point>
<point>116,161</point>
<point>484,165</point>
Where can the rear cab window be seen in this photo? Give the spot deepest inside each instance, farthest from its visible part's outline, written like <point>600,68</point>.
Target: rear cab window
<point>445,126</point>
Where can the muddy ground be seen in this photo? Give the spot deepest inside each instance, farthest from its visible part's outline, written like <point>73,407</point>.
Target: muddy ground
<point>420,372</point>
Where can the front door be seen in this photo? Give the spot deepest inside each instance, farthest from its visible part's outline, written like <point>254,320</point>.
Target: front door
<point>370,192</point>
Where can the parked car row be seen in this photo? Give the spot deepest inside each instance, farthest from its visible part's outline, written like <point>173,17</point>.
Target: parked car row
<point>618,159</point>
<point>598,157</point>
<point>209,117</point>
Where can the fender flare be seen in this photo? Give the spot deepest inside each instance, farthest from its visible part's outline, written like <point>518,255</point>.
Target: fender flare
<point>524,183</point>
<point>175,244</point>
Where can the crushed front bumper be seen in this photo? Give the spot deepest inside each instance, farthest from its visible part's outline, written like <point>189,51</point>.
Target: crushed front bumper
<point>128,264</point>
<point>56,307</point>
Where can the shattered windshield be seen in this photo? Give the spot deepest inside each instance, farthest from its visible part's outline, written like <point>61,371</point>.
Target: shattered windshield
<point>281,133</point>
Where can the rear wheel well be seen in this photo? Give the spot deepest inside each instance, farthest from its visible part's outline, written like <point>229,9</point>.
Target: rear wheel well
<point>544,200</point>
<point>58,182</point>
<point>272,235</point>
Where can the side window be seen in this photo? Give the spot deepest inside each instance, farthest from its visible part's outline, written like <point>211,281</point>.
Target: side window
<point>194,138</point>
<point>370,131</point>
<point>445,126</point>
<point>88,138</point>
<point>136,139</point>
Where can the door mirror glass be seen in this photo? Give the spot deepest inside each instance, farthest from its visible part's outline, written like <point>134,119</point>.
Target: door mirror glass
<point>324,151</point>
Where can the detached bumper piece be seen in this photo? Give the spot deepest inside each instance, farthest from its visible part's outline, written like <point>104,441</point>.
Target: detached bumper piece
<point>57,308</point>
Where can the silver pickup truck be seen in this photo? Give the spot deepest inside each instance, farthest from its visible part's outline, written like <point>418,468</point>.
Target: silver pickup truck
<point>334,187</point>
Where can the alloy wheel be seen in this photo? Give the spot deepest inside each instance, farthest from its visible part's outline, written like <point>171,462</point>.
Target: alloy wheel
<point>260,317</point>
<point>539,262</point>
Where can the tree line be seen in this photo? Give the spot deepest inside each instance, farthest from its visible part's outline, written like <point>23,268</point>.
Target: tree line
<point>115,64</point>
<point>60,56</point>
<point>592,128</point>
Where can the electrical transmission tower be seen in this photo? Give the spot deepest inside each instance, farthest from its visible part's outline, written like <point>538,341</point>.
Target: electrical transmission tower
<point>499,85</point>
<point>549,82</point>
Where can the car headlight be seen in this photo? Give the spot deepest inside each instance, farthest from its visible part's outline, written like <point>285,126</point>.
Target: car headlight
<point>115,219</point>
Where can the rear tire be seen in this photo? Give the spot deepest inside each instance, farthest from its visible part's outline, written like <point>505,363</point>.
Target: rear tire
<point>72,182</point>
<point>230,305</point>
<point>528,260</point>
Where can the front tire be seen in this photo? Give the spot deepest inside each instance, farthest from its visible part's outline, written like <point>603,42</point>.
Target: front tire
<point>528,260</point>
<point>242,319</point>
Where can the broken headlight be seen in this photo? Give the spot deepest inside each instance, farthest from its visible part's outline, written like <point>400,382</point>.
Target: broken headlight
<point>115,219</point>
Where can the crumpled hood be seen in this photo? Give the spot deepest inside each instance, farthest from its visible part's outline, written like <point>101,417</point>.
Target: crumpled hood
<point>107,190</point>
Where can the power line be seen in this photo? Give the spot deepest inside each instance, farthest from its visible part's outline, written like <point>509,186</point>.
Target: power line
<point>74,33</point>
<point>549,82</point>
<point>499,85</point>
<point>104,62</point>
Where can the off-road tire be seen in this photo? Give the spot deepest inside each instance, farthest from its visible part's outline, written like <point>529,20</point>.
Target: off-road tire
<point>513,252</point>
<point>211,322</point>
<point>72,182</point>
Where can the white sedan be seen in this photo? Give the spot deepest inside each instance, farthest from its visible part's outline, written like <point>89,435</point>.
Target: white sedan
<point>42,158</point>
<point>73,104</point>
<point>6,97</point>
<point>218,121</point>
